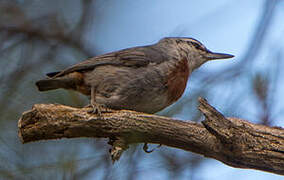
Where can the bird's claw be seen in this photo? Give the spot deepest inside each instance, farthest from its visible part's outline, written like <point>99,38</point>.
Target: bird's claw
<point>145,148</point>
<point>95,109</point>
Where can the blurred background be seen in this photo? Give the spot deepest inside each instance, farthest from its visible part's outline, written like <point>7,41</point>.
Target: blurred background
<point>37,37</point>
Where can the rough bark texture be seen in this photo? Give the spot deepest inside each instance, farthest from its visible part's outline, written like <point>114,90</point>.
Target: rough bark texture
<point>233,141</point>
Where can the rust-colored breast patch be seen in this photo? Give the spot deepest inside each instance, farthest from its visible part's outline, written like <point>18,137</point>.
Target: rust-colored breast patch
<point>177,80</point>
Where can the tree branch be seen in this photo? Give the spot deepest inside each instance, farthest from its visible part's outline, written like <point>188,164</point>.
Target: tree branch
<point>232,141</point>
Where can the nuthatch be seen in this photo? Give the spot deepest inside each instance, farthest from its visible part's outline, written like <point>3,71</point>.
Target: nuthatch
<point>145,79</point>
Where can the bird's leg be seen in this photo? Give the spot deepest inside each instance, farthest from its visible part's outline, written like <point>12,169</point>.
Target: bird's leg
<point>96,107</point>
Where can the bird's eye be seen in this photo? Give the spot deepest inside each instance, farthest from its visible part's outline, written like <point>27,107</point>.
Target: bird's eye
<point>198,46</point>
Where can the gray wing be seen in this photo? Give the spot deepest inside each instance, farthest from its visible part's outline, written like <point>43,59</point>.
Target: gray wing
<point>132,57</point>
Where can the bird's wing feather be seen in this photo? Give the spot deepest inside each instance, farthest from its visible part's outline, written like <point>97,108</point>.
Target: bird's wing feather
<point>132,57</point>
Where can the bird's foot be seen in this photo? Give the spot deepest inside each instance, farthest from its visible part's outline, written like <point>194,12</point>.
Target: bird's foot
<point>94,109</point>
<point>97,109</point>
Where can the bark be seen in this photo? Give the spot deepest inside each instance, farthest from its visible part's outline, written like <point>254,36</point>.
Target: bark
<point>235,142</point>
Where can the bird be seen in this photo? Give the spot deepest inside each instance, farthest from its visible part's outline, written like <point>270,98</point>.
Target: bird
<point>144,78</point>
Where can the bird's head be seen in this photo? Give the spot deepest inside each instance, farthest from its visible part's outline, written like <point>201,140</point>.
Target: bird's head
<point>195,52</point>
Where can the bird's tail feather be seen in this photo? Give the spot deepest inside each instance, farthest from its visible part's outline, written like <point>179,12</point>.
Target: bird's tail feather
<point>51,74</point>
<point>49,84</point>
<point>69,81</point>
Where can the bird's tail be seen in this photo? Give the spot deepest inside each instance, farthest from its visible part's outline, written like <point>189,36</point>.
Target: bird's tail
<point>49,84</point>
<point>69,81</point>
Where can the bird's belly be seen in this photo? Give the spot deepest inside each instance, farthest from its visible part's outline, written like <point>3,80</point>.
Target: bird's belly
<point>148,89</point>
<point>141,89</point>
<point>145,102</point>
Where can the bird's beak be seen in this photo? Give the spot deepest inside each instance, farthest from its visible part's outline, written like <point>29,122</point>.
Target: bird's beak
<point>213,56</point>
